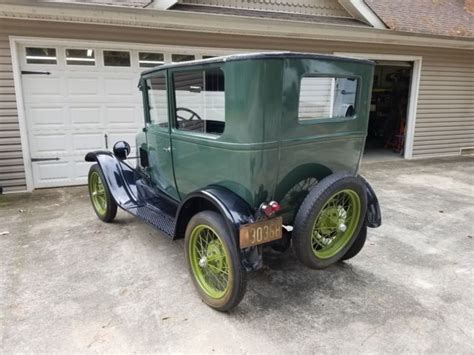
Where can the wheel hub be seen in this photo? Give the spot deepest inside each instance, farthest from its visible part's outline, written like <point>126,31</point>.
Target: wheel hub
<point>342,227</point>
<point>203,262</point>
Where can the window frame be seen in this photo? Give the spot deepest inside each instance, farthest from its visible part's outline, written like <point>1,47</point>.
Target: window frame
<point>149,52</point>
<point>96,59</point>
<point>56,50</point>
<point>172,96</point>
<point>108,67</point>
<point>145,91</point>
<point>313,121</point>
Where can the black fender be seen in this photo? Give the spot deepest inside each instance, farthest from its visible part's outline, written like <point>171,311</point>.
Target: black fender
<point>231,206</point>
<point>374,214</point>
<point>119,177</point>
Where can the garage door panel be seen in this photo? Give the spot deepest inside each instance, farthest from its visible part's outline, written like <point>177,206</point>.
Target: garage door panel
<point>41,86</point>
<point>47,173</point>
<point>80,116</point>
<point>50,144</point>
<point>83,86</point>
<point>125,116</point>
<point>46,117</point>
<point>85,142</point>
<point>120,87</point>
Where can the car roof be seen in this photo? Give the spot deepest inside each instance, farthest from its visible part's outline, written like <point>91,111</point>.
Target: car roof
<point>257,56</point>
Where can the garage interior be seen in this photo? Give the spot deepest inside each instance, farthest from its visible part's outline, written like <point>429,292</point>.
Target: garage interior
<point>388,110</point>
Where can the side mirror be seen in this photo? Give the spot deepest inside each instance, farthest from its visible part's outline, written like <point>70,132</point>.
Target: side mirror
<point>121,150</point>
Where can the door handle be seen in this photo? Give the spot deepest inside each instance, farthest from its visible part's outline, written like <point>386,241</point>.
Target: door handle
<point>167,149</point>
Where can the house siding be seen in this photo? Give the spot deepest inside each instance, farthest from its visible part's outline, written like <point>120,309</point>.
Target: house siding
<point>445,110</point>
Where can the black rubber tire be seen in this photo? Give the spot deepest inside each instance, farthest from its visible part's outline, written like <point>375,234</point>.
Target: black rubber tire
<point>358,244</point>
<point>310,209</point>
<point>238,275</point>
<point>111,210</point>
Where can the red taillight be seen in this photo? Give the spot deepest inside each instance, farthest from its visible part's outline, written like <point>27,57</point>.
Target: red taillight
<point>275,206</point>
<point>270,208</point>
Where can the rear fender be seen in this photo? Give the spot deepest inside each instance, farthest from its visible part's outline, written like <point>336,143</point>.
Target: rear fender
<point>119,177</point>
<point>374,215</point>
<point>232,208</point>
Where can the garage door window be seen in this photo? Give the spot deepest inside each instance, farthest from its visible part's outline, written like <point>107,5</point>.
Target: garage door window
<point>327,98</point>
<point>116,59</point>
<point>80,57</point>
<point>176,58</point>
<point>40,55</point>
<point>149,60</point>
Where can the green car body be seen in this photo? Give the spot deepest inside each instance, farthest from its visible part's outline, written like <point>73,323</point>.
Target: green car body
<point>264,151</point>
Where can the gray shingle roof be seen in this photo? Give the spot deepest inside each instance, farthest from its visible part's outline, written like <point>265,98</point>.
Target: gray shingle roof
<point>437,17</point>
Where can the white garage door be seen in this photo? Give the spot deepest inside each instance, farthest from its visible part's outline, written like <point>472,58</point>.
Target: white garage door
<point>79,99</point>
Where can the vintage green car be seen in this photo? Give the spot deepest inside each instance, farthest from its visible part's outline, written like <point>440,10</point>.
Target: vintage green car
<point>243,151</point>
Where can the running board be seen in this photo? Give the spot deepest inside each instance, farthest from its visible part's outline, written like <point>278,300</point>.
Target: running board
<point>156,218</point>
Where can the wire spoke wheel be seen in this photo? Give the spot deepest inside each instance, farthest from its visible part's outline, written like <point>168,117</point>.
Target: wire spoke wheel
<point>98,194</point>
<point>209,261</point>
<point>102,200</point>
<point>336,223</point>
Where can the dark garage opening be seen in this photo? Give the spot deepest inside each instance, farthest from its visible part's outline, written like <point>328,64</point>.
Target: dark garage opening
<point>388,110</point>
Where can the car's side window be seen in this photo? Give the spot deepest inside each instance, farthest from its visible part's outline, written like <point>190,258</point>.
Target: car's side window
<point>158,101</point>
<point>200,101</point>
<point>326,97</point>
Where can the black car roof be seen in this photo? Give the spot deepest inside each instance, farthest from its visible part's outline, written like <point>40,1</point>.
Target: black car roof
<point>256,55</point>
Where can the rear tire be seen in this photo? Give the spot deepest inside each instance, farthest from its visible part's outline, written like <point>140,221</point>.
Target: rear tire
<point>102,200</point>
<point>329,220</point>
<point>213,260</point>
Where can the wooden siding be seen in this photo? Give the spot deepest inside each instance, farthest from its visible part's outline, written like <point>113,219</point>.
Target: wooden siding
<point>445,111</point>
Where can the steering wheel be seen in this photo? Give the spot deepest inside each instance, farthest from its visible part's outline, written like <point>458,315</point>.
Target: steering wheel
<point>193,114</point>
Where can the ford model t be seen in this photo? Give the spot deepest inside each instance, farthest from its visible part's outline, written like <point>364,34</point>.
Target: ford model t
<point>242,152</point>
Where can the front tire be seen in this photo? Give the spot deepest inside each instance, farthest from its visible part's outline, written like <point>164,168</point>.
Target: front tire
<point>103,203</point>
<point>329,220</point>
<point>213,261</point>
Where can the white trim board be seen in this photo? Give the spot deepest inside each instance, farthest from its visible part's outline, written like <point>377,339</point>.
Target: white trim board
<point>414,88</point>
<point>360,10</point>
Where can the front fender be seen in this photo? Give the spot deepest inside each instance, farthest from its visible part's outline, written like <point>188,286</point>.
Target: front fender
<point>374,214</point>
<point>119,177</point>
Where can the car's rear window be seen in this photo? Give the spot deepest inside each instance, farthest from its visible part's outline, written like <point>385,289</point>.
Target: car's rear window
<point>327,97</point>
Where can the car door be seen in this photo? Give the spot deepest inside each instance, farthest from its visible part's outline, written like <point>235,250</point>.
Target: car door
<point>157,131</point>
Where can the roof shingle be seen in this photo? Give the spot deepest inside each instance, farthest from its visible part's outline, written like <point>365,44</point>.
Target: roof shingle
<point>437,17</point>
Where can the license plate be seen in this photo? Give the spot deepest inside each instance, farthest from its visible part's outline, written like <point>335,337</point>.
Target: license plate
<point>260,232</point>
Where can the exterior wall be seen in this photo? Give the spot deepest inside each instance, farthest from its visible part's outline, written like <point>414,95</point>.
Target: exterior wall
<point>308,7</point>
<point>445,110</point>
